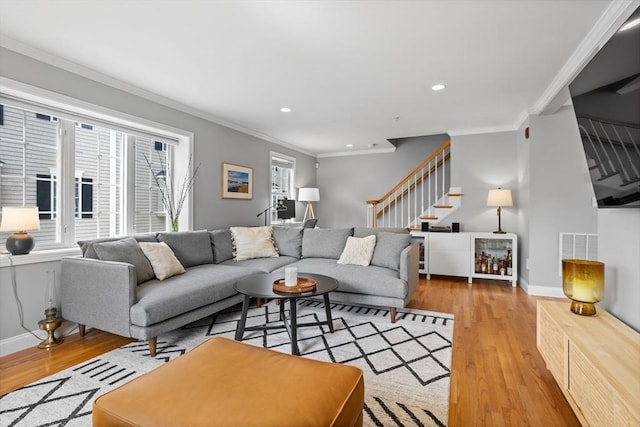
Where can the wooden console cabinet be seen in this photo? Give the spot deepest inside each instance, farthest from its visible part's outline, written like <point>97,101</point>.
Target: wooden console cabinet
<point>594,360</point>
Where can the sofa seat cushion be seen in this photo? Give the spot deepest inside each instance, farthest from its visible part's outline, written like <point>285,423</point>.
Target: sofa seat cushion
<point>261,265</point>
<point>199,286</point>
<point>370,280</point>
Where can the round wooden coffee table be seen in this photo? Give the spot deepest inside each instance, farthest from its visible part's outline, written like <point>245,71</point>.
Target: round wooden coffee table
<point>261,286</point>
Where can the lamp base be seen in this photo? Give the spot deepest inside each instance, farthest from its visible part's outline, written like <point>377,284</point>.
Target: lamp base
<point>20,243</point>
<point>583,308</point>
<point>499,232</point>
<point>50,325</point>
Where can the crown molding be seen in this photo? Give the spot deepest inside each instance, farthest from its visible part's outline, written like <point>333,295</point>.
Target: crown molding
<point>490,129</point>
<point>357,152</point>
<point>608,23</point>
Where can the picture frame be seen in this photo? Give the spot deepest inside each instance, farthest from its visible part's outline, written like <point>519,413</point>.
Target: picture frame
<point>237,181</point>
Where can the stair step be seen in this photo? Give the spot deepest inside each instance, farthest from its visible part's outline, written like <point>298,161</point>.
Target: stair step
<point>603,177</point>
<point>442,206</point>
<point>631,181</point>
<point>428,217</point>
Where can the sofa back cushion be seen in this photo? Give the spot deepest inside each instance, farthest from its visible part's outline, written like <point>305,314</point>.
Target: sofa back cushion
<point>288,241</point>
<point>88,251</point>
<point>222,245</point>
<point>126,250</point>
<point>190,247</point>
<point>368,231</point>
<point>324,242</point>
<point>389,245</point>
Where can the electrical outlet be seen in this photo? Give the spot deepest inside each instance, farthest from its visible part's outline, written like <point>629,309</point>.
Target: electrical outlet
<point>526,263</point>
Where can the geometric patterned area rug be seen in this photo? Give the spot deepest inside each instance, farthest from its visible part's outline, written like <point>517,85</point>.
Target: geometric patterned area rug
<point>406,364</point>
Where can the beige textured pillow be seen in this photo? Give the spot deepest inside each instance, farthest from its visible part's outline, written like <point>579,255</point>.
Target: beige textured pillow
<point>162,259</point>
<point>358,250</point>
<point>253,242</point>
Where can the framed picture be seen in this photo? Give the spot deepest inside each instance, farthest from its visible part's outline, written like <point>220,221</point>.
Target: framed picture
<point>237,182</point>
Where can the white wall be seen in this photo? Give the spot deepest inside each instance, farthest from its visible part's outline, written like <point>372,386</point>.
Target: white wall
<point>619,250</point>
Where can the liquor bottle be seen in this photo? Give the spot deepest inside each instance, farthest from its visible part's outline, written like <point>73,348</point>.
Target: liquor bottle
<point>483,266</point>
<point>495,266</point>
<point>509,263</point>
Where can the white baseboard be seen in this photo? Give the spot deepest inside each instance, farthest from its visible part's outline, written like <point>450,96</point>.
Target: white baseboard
<point>26,340</point>
<point>541,291</point>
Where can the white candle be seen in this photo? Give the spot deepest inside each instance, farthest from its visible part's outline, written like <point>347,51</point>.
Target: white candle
<point>290,276</point>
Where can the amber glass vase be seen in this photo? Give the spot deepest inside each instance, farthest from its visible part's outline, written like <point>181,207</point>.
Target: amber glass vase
<point>583,284</point>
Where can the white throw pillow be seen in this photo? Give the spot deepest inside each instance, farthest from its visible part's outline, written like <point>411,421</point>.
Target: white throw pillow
<point>253,242</point>
<point>162,259</point>
<point>358,250</point>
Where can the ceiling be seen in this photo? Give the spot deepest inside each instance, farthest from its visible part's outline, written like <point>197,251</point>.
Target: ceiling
<point>353,72</point>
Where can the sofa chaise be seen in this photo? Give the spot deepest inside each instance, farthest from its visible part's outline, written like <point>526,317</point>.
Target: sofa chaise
<point>115,287</point>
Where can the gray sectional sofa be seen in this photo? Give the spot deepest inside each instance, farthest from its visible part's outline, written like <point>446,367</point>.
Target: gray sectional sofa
<point>112,288</point>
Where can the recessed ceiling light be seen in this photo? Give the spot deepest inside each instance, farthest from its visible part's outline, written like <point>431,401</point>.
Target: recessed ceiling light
<point>349,145</point>
<point>437,87</point>
<point>285,109</point>
<point>629,25</point>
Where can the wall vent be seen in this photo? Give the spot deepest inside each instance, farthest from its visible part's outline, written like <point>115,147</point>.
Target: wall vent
<point>577,246</point>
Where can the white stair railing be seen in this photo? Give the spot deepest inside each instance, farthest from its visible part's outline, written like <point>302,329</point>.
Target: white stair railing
<point>414,196</point>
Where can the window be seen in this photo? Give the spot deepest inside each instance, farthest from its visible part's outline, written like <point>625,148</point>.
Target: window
<point>282,179</point>
<point>88,179</point>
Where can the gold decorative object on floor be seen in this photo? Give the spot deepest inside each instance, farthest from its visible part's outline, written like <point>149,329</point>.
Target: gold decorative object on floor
<point>51,321</point>
<point>583,284</point>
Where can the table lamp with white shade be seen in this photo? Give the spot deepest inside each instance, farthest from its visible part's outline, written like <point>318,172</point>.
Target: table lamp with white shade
<point>499,197</point>
<point>20,220</point>
<point>308,195</point>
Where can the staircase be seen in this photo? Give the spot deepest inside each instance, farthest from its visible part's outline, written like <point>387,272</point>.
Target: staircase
<point>613,156</point>
<point>422,196</point>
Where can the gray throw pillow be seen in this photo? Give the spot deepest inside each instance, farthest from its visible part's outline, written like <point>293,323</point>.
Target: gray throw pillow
<point>288,241</point>
<point>389,245</point>
<point>324,242</point>
<point>86,246</point>
<point>126,250</point>
<point>222,245</point>
<point>190,247</point>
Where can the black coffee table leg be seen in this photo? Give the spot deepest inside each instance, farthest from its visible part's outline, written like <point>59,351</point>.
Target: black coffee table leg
<point>243,318</point>
<point>327,310</point>
<point>294,327</point>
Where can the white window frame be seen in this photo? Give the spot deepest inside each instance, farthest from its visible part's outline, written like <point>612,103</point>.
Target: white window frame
<point>273,155</point>
<point>25,96</point>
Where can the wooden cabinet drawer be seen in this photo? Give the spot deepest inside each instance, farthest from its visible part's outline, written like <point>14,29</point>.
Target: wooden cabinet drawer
<point>587,387</point>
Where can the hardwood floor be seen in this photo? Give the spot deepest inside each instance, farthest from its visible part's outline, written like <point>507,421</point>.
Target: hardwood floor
<point>498,378</point>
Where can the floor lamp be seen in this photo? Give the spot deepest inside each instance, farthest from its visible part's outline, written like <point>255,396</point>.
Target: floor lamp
<point>309,195</point>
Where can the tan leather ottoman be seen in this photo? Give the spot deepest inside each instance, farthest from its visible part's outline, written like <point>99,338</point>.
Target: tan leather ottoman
<point>227,383</point>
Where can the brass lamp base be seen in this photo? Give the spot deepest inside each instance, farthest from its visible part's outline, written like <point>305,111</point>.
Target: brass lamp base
<point>583,308</point>
<point>50,325</point>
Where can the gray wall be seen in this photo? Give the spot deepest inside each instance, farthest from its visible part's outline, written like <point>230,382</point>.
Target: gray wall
<point>346,183</point>
<point>619,250</point>
<point>479,163</point>
<point>523,176</point>
<point>561,195</point>
<point>213,144</point>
